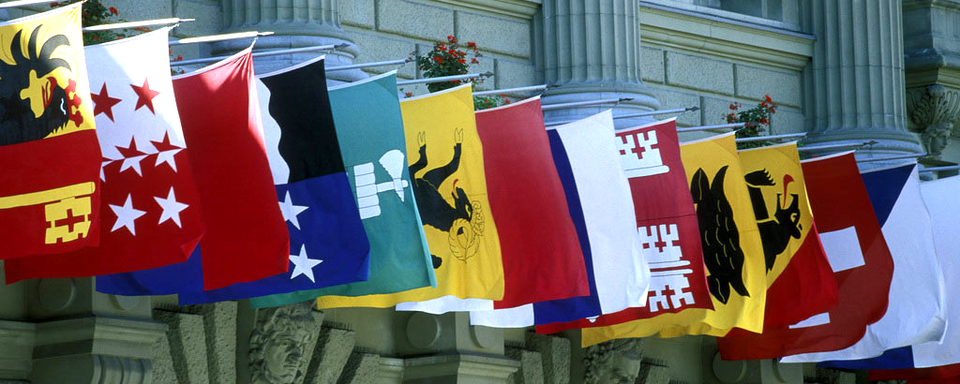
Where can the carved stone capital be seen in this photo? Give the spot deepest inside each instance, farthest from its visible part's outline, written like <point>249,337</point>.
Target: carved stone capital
<point>932,111</point>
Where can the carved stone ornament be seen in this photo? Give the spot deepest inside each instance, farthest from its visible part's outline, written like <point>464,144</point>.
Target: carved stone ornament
<point>933,110</point>
<point>277,344</point>
<point>616,361</point>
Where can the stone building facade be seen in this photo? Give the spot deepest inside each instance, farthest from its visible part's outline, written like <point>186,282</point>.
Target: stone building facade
<point>845,71</point>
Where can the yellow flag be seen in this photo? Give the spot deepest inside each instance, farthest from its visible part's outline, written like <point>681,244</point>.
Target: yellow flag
<point>49,186</point>
<point>43,62</point>
<point>446,163</point>
<point>799,278</point>
<point>733,254</point>
<point>775,183</point>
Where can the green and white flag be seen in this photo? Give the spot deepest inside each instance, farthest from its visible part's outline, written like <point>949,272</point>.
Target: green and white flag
<point>370,131</point>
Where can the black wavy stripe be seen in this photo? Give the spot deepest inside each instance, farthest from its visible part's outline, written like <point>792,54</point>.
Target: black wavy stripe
<point>300,105</point>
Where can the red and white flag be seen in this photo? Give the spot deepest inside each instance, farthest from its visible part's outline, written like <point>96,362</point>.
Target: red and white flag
<point>150,216</point>
<point>245,236</point>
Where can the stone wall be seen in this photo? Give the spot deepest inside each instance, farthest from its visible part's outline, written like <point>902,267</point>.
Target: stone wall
<point>711,60</point>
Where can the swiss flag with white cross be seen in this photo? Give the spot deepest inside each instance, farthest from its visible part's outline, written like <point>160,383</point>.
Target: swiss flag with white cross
<point>149,205</point>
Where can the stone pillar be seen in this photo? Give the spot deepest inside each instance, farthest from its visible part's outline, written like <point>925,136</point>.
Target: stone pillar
<point>855,85</point>
<point>296,24</point>
<point>591,48</point>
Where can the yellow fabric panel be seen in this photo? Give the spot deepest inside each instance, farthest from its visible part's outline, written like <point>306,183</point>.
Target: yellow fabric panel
<point>710,155</point>
<point>779,162</point>
<point>470,249</point>
<point>56,26</point>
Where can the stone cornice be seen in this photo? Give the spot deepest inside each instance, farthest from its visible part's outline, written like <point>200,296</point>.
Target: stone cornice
<point>521,9</point>
<point>945,4</point>
<point>688,31</point>
<point>98,335</point>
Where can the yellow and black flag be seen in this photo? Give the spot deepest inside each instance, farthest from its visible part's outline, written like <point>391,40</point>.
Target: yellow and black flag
<point>49,155</point>
<point>732,251</point>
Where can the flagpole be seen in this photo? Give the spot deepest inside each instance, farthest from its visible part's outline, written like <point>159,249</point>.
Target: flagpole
<point>552,107</point>
<point>207,60</point>
<point>24,3</point>
<point>658,112</point>
<point>429,80</point>
<point>836,146</point>
<point>913,156</point>
<point>136,24</point>
<point>531,88</point>
<point>774,137</point>
<point>372,64</point>
<point>220,37</point>
<point>943,168</point>
<point>633,115</point>
<point>735,126</point>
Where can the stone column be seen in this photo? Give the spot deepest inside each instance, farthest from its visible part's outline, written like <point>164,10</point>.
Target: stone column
<point>855,85</point>
<point>591,48</point>
<point>296,24</point>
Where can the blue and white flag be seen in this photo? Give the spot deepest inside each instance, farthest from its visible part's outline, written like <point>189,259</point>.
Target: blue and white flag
<point>916,309</point>
<point>940,196</point>
<point>601,205</point>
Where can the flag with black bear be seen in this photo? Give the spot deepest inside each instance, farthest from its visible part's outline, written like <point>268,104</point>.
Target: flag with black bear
<point>858,256</point>
<point>446,163</point>
<point>799,279</point>
<point>49,189</point>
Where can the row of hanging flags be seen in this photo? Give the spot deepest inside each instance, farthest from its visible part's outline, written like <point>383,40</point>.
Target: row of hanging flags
<point>222,185</point>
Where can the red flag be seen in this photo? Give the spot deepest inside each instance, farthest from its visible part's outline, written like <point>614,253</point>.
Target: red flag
<point>858,255</point>
<point>246,237</point>
<point>150,212</point>
<point>49,185</point>
<point>667,225</point>
<point>542,259</point>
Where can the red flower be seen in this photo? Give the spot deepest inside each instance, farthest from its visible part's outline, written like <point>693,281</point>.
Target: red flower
<point>114,11</point>
<point>507,101</point>
<point>408,94</point>
<point>461,61</point>
<point>471,44</point>
<point>438,59</point>
<point>474,61</point>
<point>451,39</point>
<point>179,58</point>
<point>441,46</point>
<point>764,121</point>
<point>733,107</point>
<point>767,98</point>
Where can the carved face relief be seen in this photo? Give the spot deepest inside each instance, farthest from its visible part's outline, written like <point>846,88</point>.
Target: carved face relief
<point>621,370</point>
<point>281,358</point>
<point>615,361</point>
<point>277,344</point>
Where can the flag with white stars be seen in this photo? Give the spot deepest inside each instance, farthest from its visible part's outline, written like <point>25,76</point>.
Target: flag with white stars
<point>150,215</point>
<point>328,244</point>
<point>245,238</point>
<point>374,151</point>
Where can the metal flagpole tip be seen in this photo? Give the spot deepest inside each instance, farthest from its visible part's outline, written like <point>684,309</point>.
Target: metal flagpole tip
<point>692,109</point>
